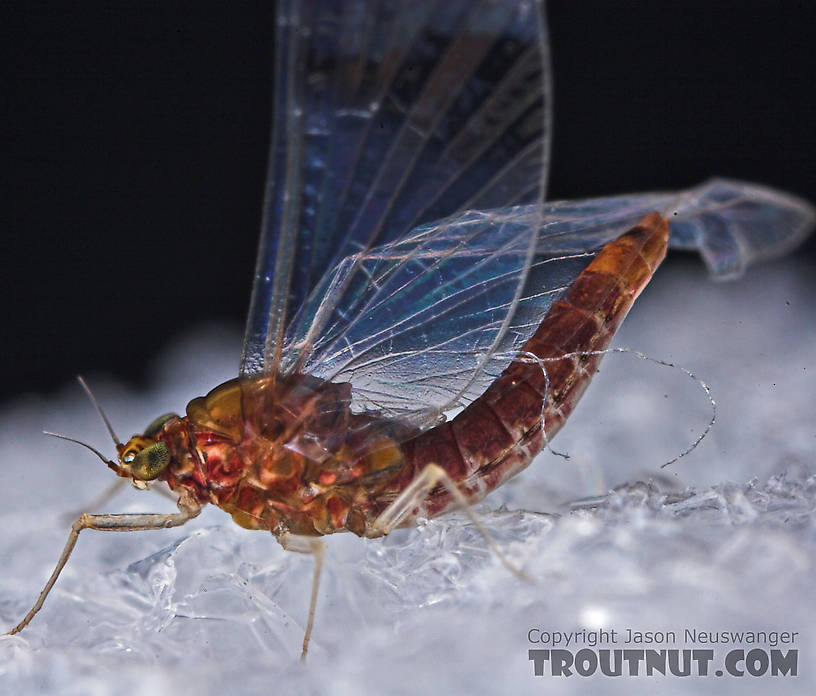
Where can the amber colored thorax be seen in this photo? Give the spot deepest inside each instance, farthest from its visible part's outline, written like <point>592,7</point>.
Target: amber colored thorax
<point>283,454</point>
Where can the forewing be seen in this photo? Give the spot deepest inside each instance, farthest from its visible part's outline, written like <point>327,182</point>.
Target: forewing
<point>422,325</point>
<point>388,115</point>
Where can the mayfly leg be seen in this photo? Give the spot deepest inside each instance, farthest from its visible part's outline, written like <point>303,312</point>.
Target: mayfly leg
<point>109,494</point>
<point>419,489</point>
<point>302,544</point>
<point>188,509</point>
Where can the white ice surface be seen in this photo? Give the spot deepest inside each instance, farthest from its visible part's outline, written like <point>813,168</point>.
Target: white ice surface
<point>722,540</point>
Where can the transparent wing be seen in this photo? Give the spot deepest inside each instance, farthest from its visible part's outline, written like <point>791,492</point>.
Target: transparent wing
<point>389,114</point>
<point>734,224</point>
<point>423,324</point>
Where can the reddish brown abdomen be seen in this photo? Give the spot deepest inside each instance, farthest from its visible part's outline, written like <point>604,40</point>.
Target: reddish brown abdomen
<point>498,434</point>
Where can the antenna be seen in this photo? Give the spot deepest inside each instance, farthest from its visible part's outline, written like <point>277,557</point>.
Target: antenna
<point>88,391</point>
<point>110,464</point>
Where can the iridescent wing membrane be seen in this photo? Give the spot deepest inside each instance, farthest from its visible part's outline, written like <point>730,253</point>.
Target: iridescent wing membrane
<point>400,130</point>
<point>424,324</point>
<point>389,115</point>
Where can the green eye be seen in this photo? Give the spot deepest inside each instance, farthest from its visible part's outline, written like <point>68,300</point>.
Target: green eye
<point>157,424</point>
<point>151,461</point>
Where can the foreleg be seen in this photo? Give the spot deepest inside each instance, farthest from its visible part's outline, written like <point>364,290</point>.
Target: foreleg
<point>188,509</point>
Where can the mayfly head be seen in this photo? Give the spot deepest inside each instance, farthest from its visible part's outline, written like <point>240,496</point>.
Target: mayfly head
<point>144,457</point>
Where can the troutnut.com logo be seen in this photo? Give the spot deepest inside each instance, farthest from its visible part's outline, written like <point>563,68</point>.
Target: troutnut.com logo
<point>679,653</point>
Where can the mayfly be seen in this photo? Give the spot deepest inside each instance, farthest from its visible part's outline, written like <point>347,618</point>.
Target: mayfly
<point>409,268</point>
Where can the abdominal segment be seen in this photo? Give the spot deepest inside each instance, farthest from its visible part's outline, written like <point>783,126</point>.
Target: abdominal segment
<point>498,434</point>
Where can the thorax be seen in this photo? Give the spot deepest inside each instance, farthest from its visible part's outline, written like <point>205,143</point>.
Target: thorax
<point>285,454</point>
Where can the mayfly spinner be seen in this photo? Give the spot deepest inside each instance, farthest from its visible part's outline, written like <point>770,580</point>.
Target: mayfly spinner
<point>409,266</point>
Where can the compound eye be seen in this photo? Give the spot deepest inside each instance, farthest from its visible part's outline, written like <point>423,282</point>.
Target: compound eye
<point>157,424</point>
<point>150,462</point>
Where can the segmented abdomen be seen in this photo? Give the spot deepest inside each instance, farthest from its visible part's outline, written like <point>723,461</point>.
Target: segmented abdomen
<point>498,434</point>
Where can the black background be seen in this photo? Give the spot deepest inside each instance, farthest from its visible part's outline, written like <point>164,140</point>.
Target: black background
<point>135,142</point>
